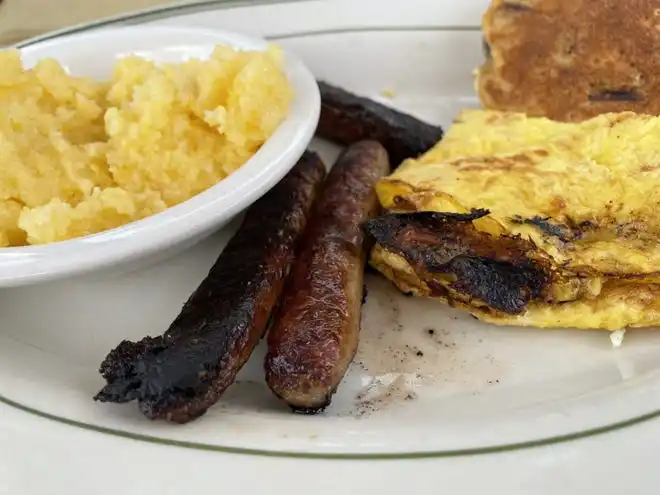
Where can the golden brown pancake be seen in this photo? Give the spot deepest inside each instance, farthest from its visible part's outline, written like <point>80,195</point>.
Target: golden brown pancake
<point>570,60</point>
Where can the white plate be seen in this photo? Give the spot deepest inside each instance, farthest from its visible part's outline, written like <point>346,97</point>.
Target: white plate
<point>483,408</point>
<point>94,54</point>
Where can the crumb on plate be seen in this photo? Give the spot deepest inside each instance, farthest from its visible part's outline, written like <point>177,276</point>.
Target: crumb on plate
<point>616,337</point>
<point>388,92</point>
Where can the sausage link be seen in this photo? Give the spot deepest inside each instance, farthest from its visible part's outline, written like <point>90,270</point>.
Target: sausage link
<point>315,332</point>
<point>179,375</point>
<point>347,119</point>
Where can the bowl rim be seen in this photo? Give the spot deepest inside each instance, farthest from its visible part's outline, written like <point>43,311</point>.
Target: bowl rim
<point>21,265</point>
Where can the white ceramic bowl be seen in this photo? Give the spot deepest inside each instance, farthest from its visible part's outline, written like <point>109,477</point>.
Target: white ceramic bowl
<point>93,55</point>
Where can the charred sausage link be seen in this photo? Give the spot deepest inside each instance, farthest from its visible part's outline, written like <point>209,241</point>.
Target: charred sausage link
<point>315,331</point>
<point>347,118</point>
<point>179,375</point>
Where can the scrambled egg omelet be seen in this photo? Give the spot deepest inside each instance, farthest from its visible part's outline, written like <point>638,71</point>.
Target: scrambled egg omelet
<point>528,221</point>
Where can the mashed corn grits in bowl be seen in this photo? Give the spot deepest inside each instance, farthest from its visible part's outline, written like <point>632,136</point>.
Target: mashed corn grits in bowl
<point>147,137</point>
<point>82,156</point>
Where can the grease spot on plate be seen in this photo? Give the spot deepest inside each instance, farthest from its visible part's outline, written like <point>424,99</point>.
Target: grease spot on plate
<point>415,336</point>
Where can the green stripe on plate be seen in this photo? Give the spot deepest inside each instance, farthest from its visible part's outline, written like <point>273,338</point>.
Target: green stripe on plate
<point>385,456</point>
<point>152,14</point>
<point>166,12</point>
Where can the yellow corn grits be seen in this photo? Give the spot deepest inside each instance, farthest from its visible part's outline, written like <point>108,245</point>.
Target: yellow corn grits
<point>80,156</point>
